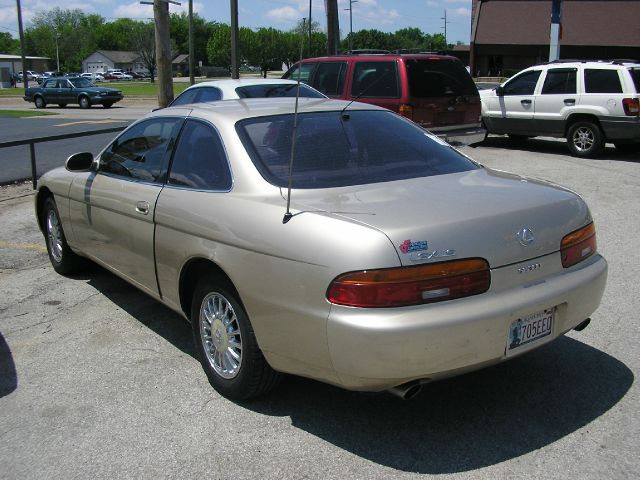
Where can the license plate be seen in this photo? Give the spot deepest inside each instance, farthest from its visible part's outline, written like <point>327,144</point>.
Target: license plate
<point>529,329</point>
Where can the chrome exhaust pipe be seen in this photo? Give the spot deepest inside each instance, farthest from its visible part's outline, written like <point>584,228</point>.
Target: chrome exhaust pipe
<point>408,390</point>
<point>581,326</point>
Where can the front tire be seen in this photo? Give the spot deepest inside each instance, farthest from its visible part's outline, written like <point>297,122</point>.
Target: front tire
<point>226,343</point>
<point>62,258</point>
<point>84,102</point>
<point>585,139</point>
<point>39,101</point>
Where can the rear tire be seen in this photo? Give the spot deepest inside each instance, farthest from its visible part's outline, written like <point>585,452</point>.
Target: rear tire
<point>585,139</point>
<point>226,344</point>
<point>62,258</point>
<point>39,101</point>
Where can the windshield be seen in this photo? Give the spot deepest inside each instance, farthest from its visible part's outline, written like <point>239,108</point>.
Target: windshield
<point>80,82</point>
<point>276,90</point>
<point>439,77</point>
<point>358,148</point>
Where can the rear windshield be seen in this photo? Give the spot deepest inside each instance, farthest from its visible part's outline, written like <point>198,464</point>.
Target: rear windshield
<point>276,90</point>
<point>358,148</point>
<point>635,75</point>
<point>439,77</point>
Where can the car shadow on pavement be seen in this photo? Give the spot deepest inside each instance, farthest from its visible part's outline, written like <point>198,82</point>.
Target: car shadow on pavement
<point>456,425</point>
<point>554,146</point>
<point>8,374</point>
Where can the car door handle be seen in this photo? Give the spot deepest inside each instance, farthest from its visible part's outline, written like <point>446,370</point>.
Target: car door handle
<point>525,102</point>
<point>142,208</point>
<point>569,101</point>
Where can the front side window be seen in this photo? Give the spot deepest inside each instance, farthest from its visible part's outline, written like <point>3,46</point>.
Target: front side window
<point>329,78</point>
<point>337,150</point>
<point>524,84</point>
<point>601,81</point>
<point>200,161</point>
<point>375,80</point>
<point>140,152</point>
<point>559,81</point>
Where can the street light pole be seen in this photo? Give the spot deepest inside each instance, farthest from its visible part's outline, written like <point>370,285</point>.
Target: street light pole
<point>25,79</point>
<point>351,2</point>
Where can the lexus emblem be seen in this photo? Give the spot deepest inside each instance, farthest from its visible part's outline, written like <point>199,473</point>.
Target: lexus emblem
<point>525,237</point>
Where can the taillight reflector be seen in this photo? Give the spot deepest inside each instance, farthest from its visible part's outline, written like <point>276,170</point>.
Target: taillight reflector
<point>406,111</point>
<point>403,286</point>
<point>631,106</point>
<point>578,245</point>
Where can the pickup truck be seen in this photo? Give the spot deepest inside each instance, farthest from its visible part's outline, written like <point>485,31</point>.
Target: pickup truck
<point>62,90</point>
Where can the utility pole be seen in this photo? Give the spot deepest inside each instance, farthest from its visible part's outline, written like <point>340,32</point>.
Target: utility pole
<point>235,50</point>
<point>446,45</point>
<point>556,30</point>
<point>25,79</point>
<point>163,50</point>
<point>333,27</point>
<point>309,51</point>
<point>192,60</point>
<point>351,2</point>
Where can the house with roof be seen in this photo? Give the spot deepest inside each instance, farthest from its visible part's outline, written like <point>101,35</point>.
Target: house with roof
<point>509,35</point>
<point>102,60</point>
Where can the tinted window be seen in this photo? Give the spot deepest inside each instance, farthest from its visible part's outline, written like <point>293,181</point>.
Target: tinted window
<point>635,76</point>
<point>140,152</point>
<point>375,79</point>
<point>334,151</point>
<point>276,90</point>
<point>601,81</point>
<point>304,71</point>
<point>200,160</point>
<point>559,81</point>
<point>436,78</point>
<point>329,78</point>
<point>197,95</point>
<point>524,84</point>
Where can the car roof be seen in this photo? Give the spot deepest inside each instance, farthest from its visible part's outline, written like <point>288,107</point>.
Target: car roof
<point>234,110</point>
<point>230,84</point>
<point>382,56</point>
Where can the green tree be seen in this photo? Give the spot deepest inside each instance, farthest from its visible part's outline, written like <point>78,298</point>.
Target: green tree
<point>142,41</point>
<point>370,39</point>
<point>409,39</point>
<point>116,35</point>
<point>8,44</point>
<point>265,49</point>
<point>202,31</point>
<point>219,46</point>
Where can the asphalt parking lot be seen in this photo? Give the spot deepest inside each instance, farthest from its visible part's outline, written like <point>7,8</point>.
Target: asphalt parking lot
<point>99,381</point>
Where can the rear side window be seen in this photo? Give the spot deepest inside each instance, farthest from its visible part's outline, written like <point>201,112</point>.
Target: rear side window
<point>439,77</point>
<point>329,78</point>
<point>559,80</point>
<point>276,90</point>
<point>635,76</point>
<point>602,81</point>
<point>200,161</point>
<point>524,84</point>
<point>375,80</point>
<point>333,150</point>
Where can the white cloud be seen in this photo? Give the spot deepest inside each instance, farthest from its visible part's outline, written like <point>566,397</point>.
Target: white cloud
<point>134,10</point>
<point>284,14</point>
<point>461,12</point>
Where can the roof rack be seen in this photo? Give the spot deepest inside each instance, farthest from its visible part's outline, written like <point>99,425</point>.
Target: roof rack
<point>369,51</point>
<point>620,61</point>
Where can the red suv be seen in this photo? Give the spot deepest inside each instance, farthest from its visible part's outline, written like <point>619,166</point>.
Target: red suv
<point>435,91</point>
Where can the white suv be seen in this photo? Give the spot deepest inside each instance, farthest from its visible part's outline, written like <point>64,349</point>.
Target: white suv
<point>586,102</point>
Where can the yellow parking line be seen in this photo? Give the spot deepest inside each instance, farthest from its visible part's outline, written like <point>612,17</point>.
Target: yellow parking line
<point>23,246</point>
<point>83,122</point>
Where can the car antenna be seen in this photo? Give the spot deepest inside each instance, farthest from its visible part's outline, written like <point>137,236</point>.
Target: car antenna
<point>357,97</point>
<point>288,215</point>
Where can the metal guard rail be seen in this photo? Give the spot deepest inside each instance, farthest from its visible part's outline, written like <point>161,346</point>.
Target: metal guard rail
<point>32,144</point>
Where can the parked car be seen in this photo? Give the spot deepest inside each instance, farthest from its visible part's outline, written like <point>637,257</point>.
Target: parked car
<point>94,76</point>
<point>435,91</point>
<point>244,88</point>
<point>589,103</point>
<point>382,259</point>
<point>30,75</point>
<point>139,75</point>
<point>64,91</point>
<point>117,76</point>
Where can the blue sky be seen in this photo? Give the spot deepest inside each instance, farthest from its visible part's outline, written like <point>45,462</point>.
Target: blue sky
<point>386,15</point>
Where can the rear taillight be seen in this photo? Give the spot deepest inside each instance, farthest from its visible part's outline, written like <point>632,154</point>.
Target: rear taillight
<point>403,286</point>
<point>578,245</point>
<point>631,106</point>
<point>406,110</point>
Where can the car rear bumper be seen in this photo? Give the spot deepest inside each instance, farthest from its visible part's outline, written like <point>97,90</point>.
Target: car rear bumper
<point>621,128</point>
<point>465,135</point>
<point>377,349</point>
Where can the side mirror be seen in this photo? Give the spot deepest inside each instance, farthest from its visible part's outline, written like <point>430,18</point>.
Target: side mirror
<point>79,162</point>
<point>499,91</point>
